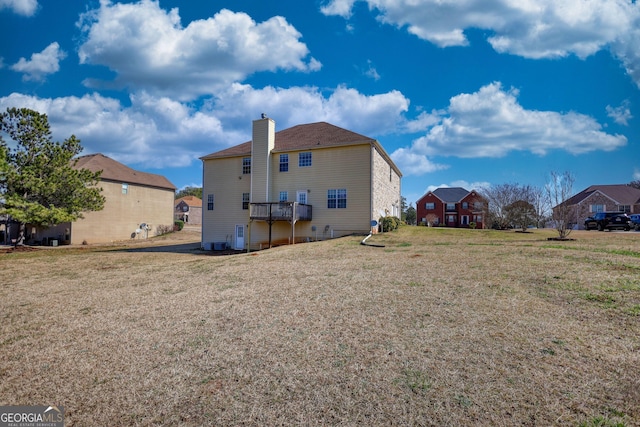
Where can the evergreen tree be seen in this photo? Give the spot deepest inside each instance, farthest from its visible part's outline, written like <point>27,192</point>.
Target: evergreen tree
<point>38,182</point>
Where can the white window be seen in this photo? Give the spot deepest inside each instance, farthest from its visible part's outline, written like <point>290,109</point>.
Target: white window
<point>337,198</point>
<point>125,188</point>
<point>430,206</point>
<point>304,159</point>
<point>284,196</point>
<point>597,208</point>
<point>301,196</point>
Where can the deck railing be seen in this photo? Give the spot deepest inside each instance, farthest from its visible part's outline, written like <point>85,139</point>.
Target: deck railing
<point>280,211</point>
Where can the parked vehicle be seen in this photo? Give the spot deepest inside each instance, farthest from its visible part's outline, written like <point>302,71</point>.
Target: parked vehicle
<point>608,221</point>
<point>635,220</point>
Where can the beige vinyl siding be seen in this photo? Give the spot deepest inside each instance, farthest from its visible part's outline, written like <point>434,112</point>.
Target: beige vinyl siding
<point>122,214</point>
<point>345,167</point>
<point>224,179</point>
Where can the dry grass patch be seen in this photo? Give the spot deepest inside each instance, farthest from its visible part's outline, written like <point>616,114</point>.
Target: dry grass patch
<point>439,327</point>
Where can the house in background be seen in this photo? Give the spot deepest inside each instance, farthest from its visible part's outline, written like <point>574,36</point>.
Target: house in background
<point>309,182</point>
<point>189,210</point>
<point>452,207</point>
<point>136,204</point>
<point>604,198</point>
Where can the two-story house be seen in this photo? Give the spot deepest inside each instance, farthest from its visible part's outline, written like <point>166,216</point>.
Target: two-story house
<point>603,198</point>
<point>452,207</point>
<point>189,210</point>
<point>136,204</point>
<point>309,182</point>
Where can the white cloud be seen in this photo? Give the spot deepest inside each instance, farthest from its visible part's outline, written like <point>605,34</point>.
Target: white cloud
<point>338,7</point>
<point>491,123</point>
<point>21,7</point>
<point>148,48</point>
<point>160,132</point>
<point>621,114</point>
<point>528,28</point>
<point>41,64</point>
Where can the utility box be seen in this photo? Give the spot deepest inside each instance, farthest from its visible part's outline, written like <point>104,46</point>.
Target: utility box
<point>219,246</point>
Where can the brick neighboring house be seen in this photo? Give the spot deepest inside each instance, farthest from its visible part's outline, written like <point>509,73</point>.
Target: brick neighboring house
<point>603,198</point>
<point>189,210</point>
<point>132,198</point>
<point>452,207</point>
<point>307,182</point>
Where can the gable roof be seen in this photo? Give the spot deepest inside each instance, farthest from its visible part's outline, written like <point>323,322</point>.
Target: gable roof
<point>116,171</point>
<point>450,194</point>
<point>621,194</point>
<point>306,137</point>
<point>191,201</point>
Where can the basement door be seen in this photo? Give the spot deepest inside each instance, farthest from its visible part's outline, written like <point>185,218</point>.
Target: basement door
<point>239,237</point>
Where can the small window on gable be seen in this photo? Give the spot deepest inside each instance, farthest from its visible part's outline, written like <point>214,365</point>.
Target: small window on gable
<point>429,206</point>
<point>125,188</point>
<point>304,159</point>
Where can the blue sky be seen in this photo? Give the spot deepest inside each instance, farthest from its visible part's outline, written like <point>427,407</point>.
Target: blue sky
<point>460,93</point>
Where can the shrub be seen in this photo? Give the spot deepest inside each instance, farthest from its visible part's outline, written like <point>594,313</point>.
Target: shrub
<point>164,229</point>
<point>178,225</point>
<point>390,223</point>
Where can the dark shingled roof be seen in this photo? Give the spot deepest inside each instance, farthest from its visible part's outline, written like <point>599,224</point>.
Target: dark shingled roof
<point>622,194</point>
<point>115,171</point>
<point>301,137</point>
<point>450,194</point>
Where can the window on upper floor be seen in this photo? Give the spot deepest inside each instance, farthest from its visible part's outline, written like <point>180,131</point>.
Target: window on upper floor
<point>451,206</point>
<point>284,163</point>
<point>304,159</point>
<point>465,205</point>
<point>246,165</point>
<point>209,202</point>
<point>125,188</point>
<point>430,206</point>
<point>245,201</point>
<point>337,198</point>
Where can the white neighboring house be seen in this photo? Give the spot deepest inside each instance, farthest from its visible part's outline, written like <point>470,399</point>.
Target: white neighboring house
<point>309,182</point>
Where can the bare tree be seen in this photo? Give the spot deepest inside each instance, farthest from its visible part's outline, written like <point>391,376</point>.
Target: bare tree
<point>540,201</point>
<point>635,184</point>
<point>431,219</point>
<point>559,190</point>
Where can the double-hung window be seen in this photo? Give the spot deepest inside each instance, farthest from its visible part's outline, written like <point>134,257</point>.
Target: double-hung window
<point>209,202</point>
<point>246,165</point>
<point>284,163</point>
<point>304,159</point>
<point>337,198</point>
<point>125,188</point>
<point>284,196</point>
<point>430,206</point>
<point>245,201</point>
